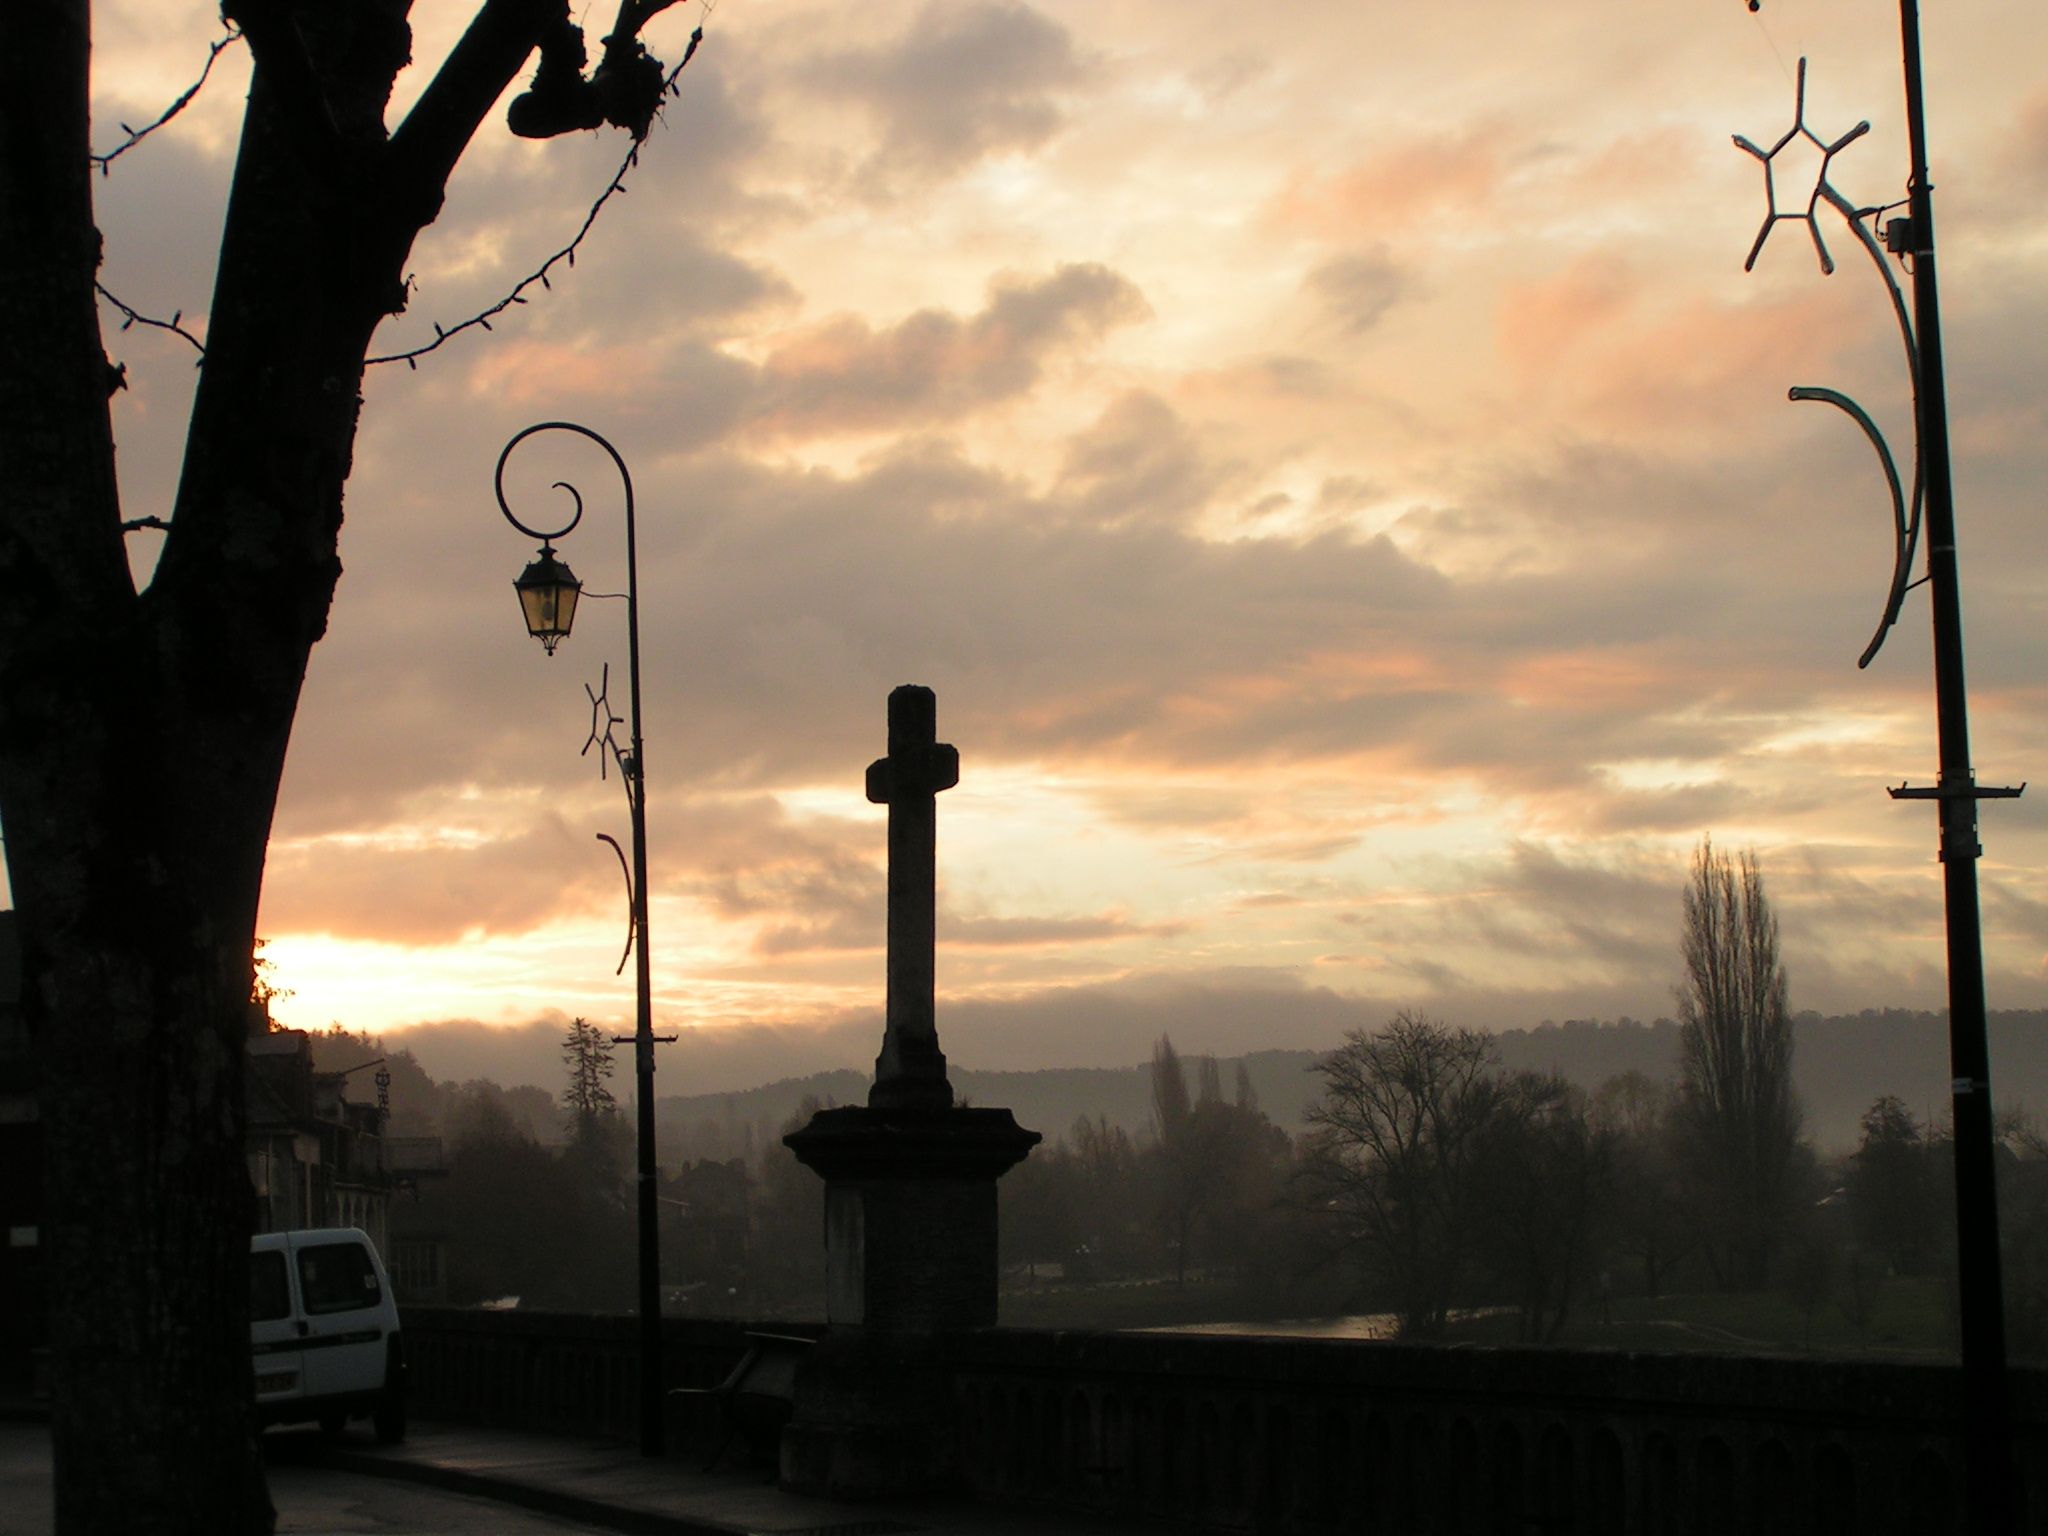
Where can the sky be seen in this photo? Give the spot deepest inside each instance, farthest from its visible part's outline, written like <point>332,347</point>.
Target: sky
<point>1327,458</point>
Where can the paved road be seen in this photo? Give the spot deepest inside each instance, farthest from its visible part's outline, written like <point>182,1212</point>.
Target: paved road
<point>310,1500</point>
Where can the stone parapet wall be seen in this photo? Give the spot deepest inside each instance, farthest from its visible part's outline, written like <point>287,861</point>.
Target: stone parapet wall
<point>1315,1436</point>
<point>559,1373</point>
<point>1312,1436</point>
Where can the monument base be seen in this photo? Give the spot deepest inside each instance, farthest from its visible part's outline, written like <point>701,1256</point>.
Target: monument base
<point>873,1420</point>
<point>910,1251</point>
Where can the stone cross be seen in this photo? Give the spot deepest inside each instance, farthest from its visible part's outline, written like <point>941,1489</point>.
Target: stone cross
<point>911,1071</point>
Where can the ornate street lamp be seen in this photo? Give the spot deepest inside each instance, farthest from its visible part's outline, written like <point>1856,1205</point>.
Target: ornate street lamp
<point>548,591</point>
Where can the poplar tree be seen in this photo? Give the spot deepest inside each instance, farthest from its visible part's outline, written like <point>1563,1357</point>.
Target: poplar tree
<point>1739,1113</point>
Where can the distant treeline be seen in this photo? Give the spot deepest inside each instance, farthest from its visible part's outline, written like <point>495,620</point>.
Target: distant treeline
<point>1841,1064</point>
<point>1557,1169</point>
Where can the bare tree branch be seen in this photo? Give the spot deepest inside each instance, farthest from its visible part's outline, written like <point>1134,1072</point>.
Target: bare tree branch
<point>625,90</point>
<point>566,255</point>
<point>438,129</point>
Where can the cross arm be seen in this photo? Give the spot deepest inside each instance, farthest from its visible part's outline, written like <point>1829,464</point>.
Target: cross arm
<point>930,770</point>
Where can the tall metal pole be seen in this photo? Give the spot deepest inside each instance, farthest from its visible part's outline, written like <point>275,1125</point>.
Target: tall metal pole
<point>1980,1291</point>
<point>633,766</point>
<point>643,1024</point>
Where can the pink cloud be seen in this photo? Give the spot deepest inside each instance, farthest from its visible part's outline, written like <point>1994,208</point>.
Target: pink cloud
<point>528,373</point>
<point>1397,189</point>
<point>1624,356</point>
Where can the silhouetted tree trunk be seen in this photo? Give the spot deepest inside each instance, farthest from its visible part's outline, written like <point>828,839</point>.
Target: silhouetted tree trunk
<point>1740,1117</point>
<point>142,733</point>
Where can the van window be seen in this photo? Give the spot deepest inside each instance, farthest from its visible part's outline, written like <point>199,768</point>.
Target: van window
<point>337,1277</point>
<point>268,1296</point>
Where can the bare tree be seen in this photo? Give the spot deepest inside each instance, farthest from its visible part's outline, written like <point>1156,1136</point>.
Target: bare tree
<point>1544,1191</point>
<point>1170,1103</point>
<point>1183,1172</point>
<point>1216,1163</point>
<point>1898,1183</point>
<point>1739,1115</point>
<point>2023,1191</point>
<point>143,732</point>
<point>1650,1228</point>
<point>1394,1139</point>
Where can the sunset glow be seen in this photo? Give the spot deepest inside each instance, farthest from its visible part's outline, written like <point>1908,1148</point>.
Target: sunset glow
<point>1329,462</point>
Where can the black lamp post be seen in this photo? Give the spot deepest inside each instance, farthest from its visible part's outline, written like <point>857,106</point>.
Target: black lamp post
<point>1989,1490</point>
<point>1980,1288</point>
<point>548,591</point>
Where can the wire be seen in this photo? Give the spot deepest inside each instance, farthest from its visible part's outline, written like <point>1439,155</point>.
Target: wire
<point>566,255</point>
<point>137,135</point>
<point>1756,9</point>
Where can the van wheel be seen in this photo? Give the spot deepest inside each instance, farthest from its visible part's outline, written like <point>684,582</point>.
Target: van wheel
<point>388,1420</point>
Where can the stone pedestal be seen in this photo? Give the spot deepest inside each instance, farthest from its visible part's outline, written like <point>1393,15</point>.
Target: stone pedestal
<point>910,1238</point>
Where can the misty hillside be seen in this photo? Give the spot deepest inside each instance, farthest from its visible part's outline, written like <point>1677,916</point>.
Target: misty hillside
<point>1840,1064</point>
<point>1048,1101</point>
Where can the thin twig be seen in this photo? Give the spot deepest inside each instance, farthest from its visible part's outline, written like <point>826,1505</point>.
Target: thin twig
<point>567,253</point>
<point>134,317</point>
<point>137,135</point>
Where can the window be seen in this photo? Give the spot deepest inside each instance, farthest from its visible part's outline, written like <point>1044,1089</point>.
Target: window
<point>337,1277</point>
<point>269,1297</point>
<point>416,1268</point>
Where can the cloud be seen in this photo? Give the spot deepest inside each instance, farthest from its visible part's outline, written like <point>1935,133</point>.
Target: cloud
<point>412,887</point>
<point>1357,288</point>
<point>1339,482</point>
<point>960,82</point>
<point>1429,178</point>
<point>1139,462</point>
<point>1034,932</point>
<point>1088,625</point>
<point>844,375</point>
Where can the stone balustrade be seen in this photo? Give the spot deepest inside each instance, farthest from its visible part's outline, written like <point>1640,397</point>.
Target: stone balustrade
<point>558,1373</point>
<point>1314,1436</point>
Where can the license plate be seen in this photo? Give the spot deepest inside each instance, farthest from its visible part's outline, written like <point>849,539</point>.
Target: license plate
<point>276,1381</point>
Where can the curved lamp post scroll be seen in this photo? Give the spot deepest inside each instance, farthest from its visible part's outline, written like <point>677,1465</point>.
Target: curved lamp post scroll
<point>1905,529</point>
<point>548,592</point>
<point>1987,1425</point>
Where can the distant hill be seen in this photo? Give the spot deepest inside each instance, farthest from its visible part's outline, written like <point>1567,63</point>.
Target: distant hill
<point>1840,1065</point>
<point>1047,1101</point>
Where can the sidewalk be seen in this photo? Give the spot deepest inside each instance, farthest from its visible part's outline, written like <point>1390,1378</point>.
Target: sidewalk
<point>609,1485</point>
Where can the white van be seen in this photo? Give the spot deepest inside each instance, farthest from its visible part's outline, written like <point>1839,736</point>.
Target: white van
<point>324,1332</point>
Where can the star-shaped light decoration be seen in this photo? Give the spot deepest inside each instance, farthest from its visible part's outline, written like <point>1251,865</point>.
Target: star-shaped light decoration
<point>601,722</point>
<point>1821,189</point>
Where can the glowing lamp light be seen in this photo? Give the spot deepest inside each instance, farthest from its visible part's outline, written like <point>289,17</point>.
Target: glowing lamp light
<point>548,590</point>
